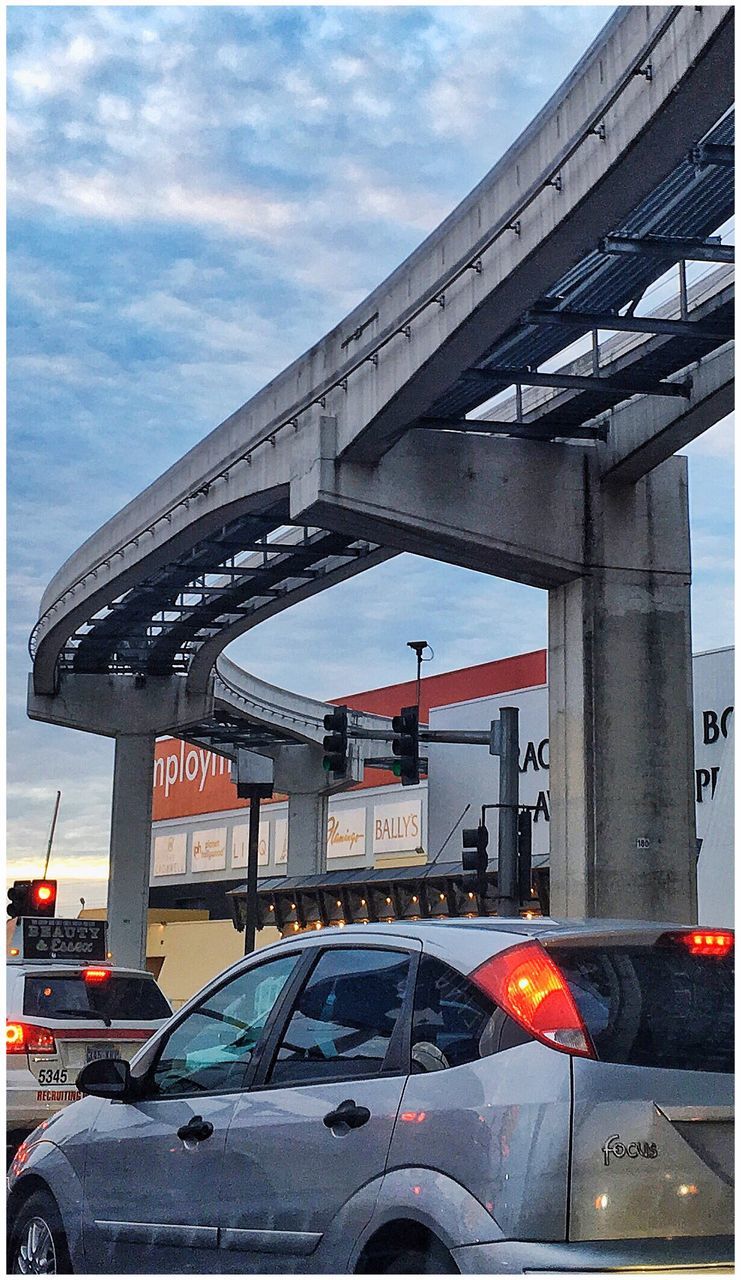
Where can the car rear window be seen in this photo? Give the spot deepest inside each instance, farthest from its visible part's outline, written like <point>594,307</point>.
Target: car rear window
<point>120,997</point>
<point>655,1005</point>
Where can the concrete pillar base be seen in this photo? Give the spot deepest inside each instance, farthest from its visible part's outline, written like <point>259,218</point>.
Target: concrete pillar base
<point>307,833</point>
<point>620,707</point>
<point>131,828</point>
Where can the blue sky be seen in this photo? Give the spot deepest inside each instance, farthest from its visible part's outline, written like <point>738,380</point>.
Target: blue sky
<point>195,195</point>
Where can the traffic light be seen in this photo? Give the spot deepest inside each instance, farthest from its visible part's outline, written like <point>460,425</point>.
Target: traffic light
<point>405,745</point>
<point>18,898</point>
<point>475,857</point>
<point>32,898</point>
<point>42,898</point>
<point>335,743</point>
<point>525,855</point>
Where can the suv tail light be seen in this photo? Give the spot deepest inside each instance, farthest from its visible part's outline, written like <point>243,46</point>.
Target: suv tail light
<point>527,984</point>
<point>703,942</point>
<point>24,1037</point>
<point>96,975</point>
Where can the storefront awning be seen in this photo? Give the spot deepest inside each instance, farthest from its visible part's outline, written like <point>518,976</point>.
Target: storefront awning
<point>369,895</point>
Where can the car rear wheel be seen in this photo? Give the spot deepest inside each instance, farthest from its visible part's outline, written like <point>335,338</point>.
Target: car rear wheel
<point>414,1262</point>
<point>37,1241</point>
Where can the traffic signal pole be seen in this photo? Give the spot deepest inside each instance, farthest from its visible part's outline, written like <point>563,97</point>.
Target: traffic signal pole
<point>509,797</point>
<point>250,926</point>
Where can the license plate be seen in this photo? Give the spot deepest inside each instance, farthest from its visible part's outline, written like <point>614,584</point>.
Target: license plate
<point>52,1075</point>
<point>94,1052</point>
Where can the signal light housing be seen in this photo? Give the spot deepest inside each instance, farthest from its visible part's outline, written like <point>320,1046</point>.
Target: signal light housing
<point>528,985</point>
<point>405,745</point>
<point>335,743</point>
<point>25,1037</point>
<point>43,897</point>
<point>18,897</point>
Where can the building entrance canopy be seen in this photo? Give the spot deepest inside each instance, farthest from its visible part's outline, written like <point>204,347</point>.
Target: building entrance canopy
<point>439,891</point>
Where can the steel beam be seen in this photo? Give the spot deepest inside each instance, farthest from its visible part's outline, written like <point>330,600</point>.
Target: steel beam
<point>578,382</point>
<point>585,320</point>
<point>672,247</point>
<point>520,430</point>
<point>715,153</point>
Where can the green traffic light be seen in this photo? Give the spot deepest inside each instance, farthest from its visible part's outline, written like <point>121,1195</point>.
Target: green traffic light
<point>326,764</point>
<point>396,768</point>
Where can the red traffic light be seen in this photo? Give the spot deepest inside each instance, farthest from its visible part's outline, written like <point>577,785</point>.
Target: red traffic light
<point>43,897</point>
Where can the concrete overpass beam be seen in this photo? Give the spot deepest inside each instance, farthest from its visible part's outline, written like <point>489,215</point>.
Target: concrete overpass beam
<point>620,695</point>
<point>472,501</point>
<point>644,433</point>
<point>117,704</point>
<point>131,833</point>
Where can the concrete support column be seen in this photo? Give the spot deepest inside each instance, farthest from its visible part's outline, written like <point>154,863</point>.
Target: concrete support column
<point>300,776</point>
<point>620,706</point>
<point>131,834</point>
<point>307,833</point>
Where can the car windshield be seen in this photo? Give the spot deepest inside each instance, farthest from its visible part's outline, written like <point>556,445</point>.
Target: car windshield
<point>654,1005</point>
<point>119,997</point>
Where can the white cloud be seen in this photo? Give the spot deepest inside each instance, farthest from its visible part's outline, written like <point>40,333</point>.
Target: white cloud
<point>61,69</point>
<point>112,198</point>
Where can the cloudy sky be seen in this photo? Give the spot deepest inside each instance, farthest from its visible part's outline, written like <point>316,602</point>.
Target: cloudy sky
<point>195,196</point>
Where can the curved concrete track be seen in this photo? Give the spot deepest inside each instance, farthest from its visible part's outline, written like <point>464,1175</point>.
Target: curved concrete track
<point>208,550</point>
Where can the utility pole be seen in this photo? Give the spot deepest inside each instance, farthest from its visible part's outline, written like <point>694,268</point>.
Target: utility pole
<point>51,833</point>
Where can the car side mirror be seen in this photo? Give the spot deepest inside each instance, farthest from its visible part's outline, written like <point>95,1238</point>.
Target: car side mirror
<point>106,1078</point>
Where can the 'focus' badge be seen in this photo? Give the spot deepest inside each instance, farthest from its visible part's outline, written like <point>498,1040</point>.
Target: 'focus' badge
<point>614,1147</point>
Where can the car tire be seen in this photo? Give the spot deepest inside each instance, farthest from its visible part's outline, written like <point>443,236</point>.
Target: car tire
<point>434,1260</point>
<point>37,1243</point>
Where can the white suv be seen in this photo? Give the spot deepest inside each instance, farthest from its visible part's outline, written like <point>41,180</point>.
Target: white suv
<point>61,1015</point>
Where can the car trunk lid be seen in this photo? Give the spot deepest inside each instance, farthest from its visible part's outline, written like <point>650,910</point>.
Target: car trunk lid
<point>653,1118</point>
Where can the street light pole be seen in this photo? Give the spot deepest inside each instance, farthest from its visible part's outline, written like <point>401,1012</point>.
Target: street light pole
<point>419,647</point>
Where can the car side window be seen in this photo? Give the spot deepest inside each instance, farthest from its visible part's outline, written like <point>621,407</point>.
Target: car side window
<point>211,1049</point>
<point>344,1017</point>
<point>452,1021</point>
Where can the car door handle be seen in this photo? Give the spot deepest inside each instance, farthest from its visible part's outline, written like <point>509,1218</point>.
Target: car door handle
<point>196,1130</point>
<point>347,1113</point>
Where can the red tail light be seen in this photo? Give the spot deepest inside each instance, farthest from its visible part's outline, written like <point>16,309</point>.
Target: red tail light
<point>526,983</point>
<point>96,975</point>
<point>23,1037</point>
<point>707,942</point>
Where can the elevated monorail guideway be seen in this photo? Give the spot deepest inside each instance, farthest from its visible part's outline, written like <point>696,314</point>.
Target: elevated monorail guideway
<point>366,447</point>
